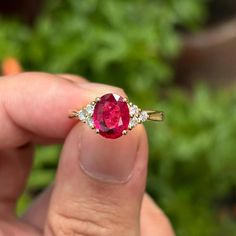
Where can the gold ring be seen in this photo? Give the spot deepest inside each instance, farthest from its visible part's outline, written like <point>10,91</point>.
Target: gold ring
<point>112,115</point>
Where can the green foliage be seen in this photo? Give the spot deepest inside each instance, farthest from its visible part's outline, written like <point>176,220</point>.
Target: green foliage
<point>118,42</point>
<point>45,163</point>
<point>192,167</point>
<point>132,44</point>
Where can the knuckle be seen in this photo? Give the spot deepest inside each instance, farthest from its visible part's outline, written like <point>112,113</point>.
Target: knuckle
<point>88,221</point>
<point>61,225</point>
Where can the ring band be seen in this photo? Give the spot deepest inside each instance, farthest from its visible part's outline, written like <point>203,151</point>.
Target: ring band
<point>112,115</point>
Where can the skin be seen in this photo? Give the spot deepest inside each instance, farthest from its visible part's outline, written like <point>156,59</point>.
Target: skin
<point>33,110</point>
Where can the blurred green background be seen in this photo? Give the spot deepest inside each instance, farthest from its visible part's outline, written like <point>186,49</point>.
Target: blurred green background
<point>136,44</point>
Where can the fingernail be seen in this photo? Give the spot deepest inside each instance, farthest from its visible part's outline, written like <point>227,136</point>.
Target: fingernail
<point>108,160</point>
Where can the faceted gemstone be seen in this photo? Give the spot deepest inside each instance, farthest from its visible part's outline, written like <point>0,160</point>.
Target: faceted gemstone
<point>89,121</point>
<point>143,116</point>
<point>133,110</point>
<point>111,116</point>
<point>90,109</point>
<point>82,115</point>
<point>133,122</point>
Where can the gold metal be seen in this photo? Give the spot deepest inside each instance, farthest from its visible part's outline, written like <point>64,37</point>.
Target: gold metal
<point>73,114</point>
<point>124,132</point>
<point>155,115</point>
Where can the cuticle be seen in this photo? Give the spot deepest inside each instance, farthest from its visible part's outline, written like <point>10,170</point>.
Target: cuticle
<point>105,179</point>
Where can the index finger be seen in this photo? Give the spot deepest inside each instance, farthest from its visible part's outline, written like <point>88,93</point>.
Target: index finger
<point>36,105</point>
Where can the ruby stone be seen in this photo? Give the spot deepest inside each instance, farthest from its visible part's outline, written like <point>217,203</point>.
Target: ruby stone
<point>111,116</point>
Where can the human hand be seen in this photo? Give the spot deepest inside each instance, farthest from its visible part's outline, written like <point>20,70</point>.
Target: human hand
<point>99,186</point>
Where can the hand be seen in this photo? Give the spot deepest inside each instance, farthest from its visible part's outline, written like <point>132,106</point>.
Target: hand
<point>100,183</point>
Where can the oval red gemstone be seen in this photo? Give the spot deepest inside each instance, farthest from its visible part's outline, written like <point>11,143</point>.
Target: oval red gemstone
<point>111,116</point>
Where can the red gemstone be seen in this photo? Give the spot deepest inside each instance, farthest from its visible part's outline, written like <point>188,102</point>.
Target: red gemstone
<point>111,116</point>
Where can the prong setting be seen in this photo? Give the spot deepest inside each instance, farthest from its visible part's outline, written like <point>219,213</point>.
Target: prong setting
<point>124,132</point>
<point>126,100</point>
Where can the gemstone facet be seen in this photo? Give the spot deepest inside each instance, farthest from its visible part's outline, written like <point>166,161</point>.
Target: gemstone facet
<point>111,116</point>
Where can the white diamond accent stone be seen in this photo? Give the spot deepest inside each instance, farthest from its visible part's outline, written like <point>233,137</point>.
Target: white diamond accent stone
<point>90,123</point>
<point>133,110</point>
<point>90,109</point>
<point>133,122</point>
<point>82,115</point>
<point>143,116</point>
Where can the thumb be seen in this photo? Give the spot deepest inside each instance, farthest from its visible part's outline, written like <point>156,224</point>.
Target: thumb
<point>100,185</point>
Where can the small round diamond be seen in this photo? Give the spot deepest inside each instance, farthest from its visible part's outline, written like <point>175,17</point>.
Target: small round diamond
<point>143,116</point>
<point>90,109</point>
<point>133,122</point>
<point>90,123</point>
<point>82,115</point>
<point>133,110</point>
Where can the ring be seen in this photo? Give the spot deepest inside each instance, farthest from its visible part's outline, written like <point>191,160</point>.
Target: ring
<point>112,115</point>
